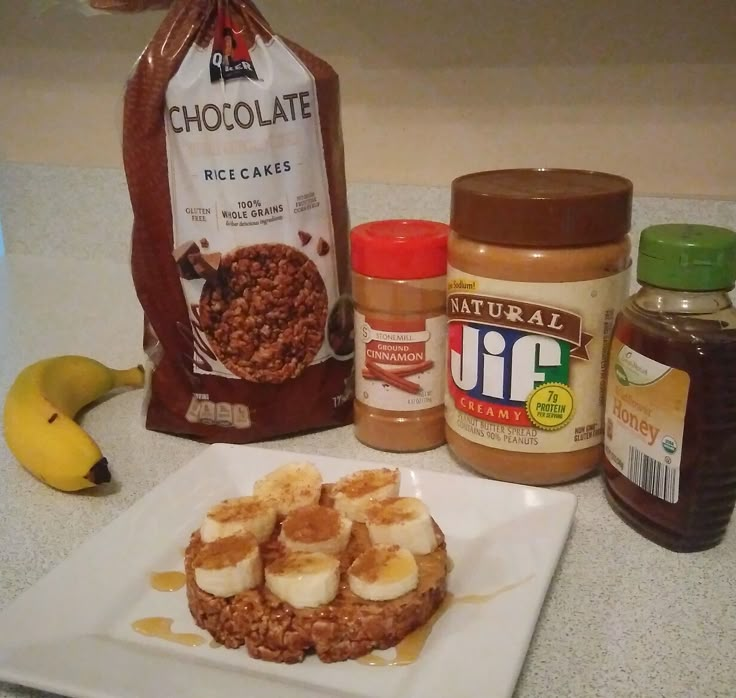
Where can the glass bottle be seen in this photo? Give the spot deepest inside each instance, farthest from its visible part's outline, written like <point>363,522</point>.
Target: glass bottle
<point>670,422</point>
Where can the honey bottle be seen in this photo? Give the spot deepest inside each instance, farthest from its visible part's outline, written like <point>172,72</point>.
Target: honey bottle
<point>670,416</point>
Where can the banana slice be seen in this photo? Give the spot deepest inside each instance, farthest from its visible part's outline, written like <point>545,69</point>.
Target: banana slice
<point>239,515</point>
<point>316,529</point>
<point>290,486</point>
<point>354,493</point>
<point>383,572</point>
<point>304,580</point>
<point>403,521</point>
<point>227,566</point>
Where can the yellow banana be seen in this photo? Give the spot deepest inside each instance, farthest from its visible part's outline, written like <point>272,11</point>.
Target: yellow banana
<point>39,419</point>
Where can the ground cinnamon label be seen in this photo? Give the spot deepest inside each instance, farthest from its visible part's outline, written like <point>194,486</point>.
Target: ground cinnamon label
<point>392,351</point>
<point>400,333</point>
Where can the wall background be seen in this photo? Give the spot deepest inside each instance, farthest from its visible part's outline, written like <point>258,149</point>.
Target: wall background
<point>431,88</point>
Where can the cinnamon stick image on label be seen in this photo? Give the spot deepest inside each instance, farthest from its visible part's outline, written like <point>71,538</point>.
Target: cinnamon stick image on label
<point>392,378</point>
<point>403,371</point>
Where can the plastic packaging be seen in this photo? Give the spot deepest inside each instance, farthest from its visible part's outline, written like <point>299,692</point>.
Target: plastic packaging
<point>234,160</point>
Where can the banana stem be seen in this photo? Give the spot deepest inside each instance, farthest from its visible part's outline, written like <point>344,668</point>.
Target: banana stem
<point>129,377</point>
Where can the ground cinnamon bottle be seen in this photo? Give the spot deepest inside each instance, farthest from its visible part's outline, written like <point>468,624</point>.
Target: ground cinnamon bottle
<point>670,441</point>
<point>399,270</point>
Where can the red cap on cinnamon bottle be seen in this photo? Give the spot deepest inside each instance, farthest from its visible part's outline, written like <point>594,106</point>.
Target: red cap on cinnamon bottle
<point>400,249</point>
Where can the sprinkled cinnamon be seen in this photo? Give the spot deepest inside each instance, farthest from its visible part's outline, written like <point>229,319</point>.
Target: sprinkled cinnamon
<point>239,508</point>
<point>369,565</point>
<point>366,481</point>
<point>225,552</point>
<point>391,511</point>
<point>311,524</point>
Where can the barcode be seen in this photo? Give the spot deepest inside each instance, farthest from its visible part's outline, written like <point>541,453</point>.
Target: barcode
<point>653,476</point>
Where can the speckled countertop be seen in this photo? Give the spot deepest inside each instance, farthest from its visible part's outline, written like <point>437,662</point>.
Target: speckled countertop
<point>623,618</point>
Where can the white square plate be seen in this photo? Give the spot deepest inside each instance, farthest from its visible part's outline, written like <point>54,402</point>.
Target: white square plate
<point>71,633</point>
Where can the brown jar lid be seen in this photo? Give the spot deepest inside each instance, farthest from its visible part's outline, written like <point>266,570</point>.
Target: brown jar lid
<point>541,207</point>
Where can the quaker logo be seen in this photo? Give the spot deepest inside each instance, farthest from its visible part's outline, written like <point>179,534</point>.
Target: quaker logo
<point>230,56</point>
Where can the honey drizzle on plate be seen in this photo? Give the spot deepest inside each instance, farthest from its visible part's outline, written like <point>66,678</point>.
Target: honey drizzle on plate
<point>408,649</point>
<point>170,580</point>
<point>161,628</point>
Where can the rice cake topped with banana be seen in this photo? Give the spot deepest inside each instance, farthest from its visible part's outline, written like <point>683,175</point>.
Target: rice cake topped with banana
<point>302,566</point>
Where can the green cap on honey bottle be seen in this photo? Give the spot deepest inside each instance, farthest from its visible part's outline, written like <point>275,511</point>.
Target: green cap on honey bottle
<point>687,257</point>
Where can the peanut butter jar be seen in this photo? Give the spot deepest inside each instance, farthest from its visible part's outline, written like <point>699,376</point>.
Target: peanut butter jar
<point>399,286</point>
<point>538,267</point>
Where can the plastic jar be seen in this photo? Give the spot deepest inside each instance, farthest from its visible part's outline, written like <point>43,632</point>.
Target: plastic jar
<point>399,289</point>
<point>669,467</point>
<point>538,268</point>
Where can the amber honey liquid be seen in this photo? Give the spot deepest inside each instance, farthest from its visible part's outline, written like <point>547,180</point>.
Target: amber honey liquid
<point>409,649</point>
<point>160,627</point>
<point>171,580</point>
<point>698,521</point>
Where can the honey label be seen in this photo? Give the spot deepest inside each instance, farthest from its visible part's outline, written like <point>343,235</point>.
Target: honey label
<point>646,403</point>
<point>526,361</point>
<point>400,362</point>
